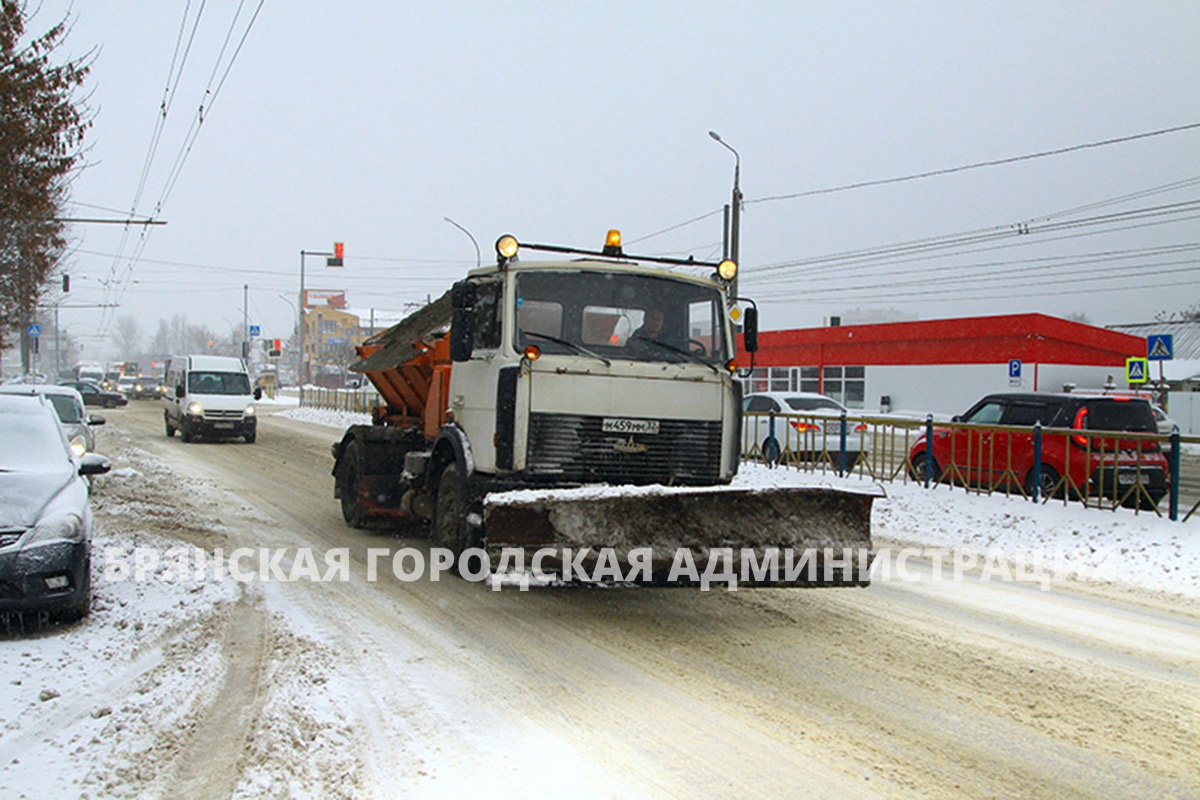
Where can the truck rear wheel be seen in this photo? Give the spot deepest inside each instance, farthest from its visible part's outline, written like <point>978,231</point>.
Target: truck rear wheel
<point>348,476</point>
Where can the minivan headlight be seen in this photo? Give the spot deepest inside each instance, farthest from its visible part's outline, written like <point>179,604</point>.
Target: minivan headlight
<point>249,412</point>
<point>195,409</point>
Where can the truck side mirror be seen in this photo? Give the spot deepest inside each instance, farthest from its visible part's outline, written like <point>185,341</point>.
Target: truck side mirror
<point>179,391</point>
<point>258,393</point>
<point>750,329</point>
<point>462,323</point>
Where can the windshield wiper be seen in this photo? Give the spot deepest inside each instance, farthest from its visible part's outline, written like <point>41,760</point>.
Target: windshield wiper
<point>577,348</point>
<point>685,353</point>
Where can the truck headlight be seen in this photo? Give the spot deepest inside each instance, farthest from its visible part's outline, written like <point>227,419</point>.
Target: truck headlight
<point>249,412</point>
<point>195,409</point>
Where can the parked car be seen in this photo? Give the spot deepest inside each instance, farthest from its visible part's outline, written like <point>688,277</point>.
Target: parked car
<point>94,395</point>
<point>809,426</point>
<point>45,521</point>
<point>68,404</point>
<point>1166,426</point>
<point>1109,467</point>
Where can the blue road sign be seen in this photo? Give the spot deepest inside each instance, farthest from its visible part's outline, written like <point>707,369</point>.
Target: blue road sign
<point>1137,370</point>
<point>1160,347</point>
<point>35,330</point>
<point>1014,368</point>
<point>256,330</point>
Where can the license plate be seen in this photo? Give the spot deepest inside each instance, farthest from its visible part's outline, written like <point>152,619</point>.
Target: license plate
<point>223,425</point>
<point>1126,478</point>
<point>614,425</point>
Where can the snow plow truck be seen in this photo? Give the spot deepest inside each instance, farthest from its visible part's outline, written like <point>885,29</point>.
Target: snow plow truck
<point>582,409</point>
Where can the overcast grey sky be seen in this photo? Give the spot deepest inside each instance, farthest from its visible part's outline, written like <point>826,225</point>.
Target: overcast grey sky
<point>369,122</point>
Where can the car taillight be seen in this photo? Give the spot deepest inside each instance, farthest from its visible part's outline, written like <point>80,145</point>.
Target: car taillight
<point>1080,419</point>
<point>804,427</point>
<point>860,427</point>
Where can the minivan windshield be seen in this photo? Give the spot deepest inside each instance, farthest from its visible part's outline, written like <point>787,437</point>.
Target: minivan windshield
<point>617,315</point>
<point>218,383</point>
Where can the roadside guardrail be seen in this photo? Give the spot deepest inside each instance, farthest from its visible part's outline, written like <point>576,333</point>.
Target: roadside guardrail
<point>1098,469</point>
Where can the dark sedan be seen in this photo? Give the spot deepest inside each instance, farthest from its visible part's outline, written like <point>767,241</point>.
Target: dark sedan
<point>93,395</point>
<point>45,521</point>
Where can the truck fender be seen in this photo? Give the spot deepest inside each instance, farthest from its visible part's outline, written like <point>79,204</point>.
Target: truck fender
<point>339,448</point>
<point>451,447</point>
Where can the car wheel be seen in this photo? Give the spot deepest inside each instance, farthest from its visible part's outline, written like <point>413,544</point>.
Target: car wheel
<point>185,433</point>
<point>251,437</point>
<point>348,484</point>
<point>1050,480</point>
<point>167,426</point>
<point>918,466</point>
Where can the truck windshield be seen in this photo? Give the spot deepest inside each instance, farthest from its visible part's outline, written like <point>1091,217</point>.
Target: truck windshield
<point>618,315</point>
<point>218,383</point>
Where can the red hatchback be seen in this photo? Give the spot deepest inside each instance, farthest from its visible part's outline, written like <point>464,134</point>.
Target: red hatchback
<point>1126,469</point>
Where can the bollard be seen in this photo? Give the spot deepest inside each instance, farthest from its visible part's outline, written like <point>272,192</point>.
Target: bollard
<point>1037,461</point>
<point>1174,466</point>
<point>928,448</point>
<point>772,443</point>
<point>842,461</point>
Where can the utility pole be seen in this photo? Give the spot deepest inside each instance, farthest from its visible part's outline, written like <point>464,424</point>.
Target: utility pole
<point>246,322</point>
<point>733,227</point>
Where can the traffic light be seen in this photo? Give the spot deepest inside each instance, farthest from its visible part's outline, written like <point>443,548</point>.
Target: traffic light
<point>339,251</point>
<point>66,283</point>
<point>276,348</point>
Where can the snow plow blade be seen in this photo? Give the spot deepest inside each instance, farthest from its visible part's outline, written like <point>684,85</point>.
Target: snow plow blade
<point>805,537</point>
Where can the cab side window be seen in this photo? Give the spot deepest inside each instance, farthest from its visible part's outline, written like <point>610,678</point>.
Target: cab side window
<point>487,315</point>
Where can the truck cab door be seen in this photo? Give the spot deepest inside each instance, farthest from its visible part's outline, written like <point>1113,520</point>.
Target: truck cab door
<point>474,380</point>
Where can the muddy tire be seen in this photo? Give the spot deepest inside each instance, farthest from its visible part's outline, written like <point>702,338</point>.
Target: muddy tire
<point>167,426</point>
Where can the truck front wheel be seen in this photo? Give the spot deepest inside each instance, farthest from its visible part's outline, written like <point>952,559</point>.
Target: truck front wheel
<point>450,514</point>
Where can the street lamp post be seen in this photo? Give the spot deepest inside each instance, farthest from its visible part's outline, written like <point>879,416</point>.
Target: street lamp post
<point>305,366</point>
<point>731,241</point>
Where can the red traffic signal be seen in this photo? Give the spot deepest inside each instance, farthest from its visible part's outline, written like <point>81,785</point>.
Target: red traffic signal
<point>276,348</point>
<point>339,250</point>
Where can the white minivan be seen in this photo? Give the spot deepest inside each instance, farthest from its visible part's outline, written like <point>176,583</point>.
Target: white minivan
<point>209,396</point>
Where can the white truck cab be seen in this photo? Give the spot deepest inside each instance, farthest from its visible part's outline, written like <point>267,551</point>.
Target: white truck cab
<point>209,396</point>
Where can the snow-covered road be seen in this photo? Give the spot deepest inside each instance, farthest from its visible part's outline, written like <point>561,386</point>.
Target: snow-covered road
<point>1004,650</point>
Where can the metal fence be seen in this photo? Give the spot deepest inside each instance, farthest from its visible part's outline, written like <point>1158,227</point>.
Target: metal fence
<point>357,400</point>
<point>1152,473</point>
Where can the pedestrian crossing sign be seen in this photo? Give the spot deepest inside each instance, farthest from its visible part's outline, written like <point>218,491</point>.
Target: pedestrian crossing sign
<point>1160,347</point>
<point>1137,370</point>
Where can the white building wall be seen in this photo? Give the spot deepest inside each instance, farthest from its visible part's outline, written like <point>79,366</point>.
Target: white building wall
<point>945,390</point>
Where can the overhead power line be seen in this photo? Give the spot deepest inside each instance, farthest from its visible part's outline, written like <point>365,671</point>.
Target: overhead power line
<point>979,164</point>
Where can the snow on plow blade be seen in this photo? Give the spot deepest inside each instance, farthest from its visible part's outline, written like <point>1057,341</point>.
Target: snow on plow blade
<point>767,537</point>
